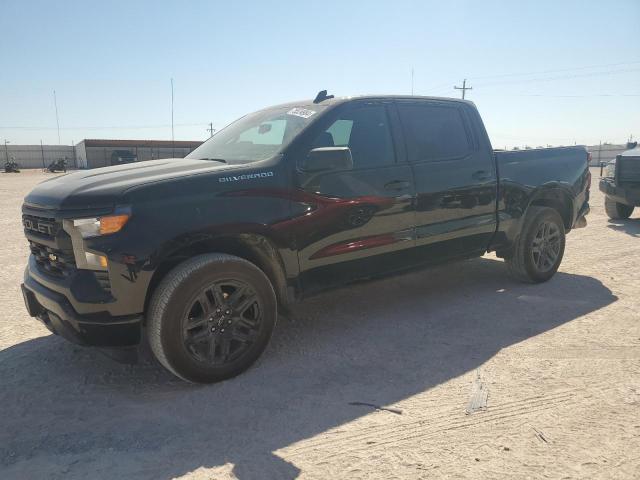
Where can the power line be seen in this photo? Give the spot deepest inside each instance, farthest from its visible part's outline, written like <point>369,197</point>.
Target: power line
<point>546,79</point>
<point>439,87</point>
<point>561,77</point>
<point>211,129</point>
<point>442,88</point>
<point>108,127</point>
<point>595,95</point>
<point>586,67</point>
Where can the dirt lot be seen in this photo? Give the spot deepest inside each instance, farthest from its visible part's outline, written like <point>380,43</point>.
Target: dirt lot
<point>558,365</point>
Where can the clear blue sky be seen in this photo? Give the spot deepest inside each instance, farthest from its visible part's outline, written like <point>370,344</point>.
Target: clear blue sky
<point>110,63</point>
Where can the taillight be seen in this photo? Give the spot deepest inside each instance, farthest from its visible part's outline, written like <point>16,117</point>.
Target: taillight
<point>588,172</point>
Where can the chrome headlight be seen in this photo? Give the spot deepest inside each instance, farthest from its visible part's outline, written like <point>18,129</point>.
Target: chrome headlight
<point>610,169</point>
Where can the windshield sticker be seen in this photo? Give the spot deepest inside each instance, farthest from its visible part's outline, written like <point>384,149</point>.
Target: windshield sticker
<point>248,176</point>
<point>301,112</point>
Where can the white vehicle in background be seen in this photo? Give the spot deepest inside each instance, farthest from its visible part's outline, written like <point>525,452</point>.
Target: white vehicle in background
<point>621,183</point>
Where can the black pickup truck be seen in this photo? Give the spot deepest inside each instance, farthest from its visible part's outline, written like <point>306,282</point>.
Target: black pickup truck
<point>199,254</point>
<point>621,183</point>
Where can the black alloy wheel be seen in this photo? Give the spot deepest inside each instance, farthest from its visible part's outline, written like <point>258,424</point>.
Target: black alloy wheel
<point>211,317</point>
<point>545,246</point>
<point>538,251</point>
<point>222,322</point>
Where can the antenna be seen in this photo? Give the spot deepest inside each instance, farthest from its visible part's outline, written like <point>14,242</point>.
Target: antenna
<point>322,96</point>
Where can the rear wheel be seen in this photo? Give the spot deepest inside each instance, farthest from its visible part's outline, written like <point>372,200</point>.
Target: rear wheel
<point>211,317</point>
<point>616,210</point>
<point>538,251</point>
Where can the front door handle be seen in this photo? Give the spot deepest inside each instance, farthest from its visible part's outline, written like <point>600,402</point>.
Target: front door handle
<point>480,175</point>
<point>397,185</point>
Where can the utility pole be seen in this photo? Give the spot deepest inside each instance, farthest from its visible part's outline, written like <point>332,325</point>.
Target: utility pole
<point>42,150</point>
<point>412,82</point>
<point>55,103</point>
<point>211,129</point>
<point>173,149</point>
<point>6,149</point>
<point>464,88</point>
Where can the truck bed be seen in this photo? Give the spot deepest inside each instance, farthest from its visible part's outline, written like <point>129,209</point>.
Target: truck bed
<point>549,176</point>
<point>540,166</point>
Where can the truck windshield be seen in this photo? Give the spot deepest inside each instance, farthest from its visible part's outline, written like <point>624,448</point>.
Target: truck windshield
<point>256,136</point>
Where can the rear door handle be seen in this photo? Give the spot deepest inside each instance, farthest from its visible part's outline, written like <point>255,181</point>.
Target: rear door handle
<point>397,185</point>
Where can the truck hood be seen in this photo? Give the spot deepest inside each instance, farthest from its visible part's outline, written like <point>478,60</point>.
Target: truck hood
<point>100,188</point>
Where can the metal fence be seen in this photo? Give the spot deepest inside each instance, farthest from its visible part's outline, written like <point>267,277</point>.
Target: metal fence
<point>605,153</point>
<point>38,156</point>
<point>94,157</point>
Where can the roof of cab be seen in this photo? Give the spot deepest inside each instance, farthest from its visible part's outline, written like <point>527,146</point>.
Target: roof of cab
<point>340,100</point>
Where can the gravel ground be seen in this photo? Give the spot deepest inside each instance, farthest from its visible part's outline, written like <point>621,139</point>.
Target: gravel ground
<point>492,379</point>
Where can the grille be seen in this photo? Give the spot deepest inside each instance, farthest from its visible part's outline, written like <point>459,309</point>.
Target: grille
<point>103,280</point>
<point>46,227</point>
<point>53,261</point>
<point>629,169</point>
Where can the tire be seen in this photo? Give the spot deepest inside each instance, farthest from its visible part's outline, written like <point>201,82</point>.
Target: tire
<point>615,210</point>
<point>533,259</point>
<point>211,317</point>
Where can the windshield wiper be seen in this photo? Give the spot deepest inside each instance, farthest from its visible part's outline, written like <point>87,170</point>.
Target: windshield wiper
<point>221,160</point>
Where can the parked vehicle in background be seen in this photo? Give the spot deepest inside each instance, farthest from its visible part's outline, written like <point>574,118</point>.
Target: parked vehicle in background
<point>203,252</point>
<point>59,165</point>
<point>621,183</point>
<point>118,157</point>
<point>11,166</point>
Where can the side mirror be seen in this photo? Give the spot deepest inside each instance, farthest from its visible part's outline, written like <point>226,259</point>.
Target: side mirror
<point>328,158</point>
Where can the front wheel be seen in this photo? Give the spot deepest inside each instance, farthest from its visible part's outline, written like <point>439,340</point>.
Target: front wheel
<point>615,210</point>
<point>538,252</point>
<point>211,318</point>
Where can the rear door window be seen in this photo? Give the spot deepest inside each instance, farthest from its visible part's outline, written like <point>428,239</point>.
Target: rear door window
<point>433,132</point>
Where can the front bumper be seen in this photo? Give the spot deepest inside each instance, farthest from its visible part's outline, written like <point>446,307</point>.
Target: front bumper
<point>56,312</point>
<point>625,195</point>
